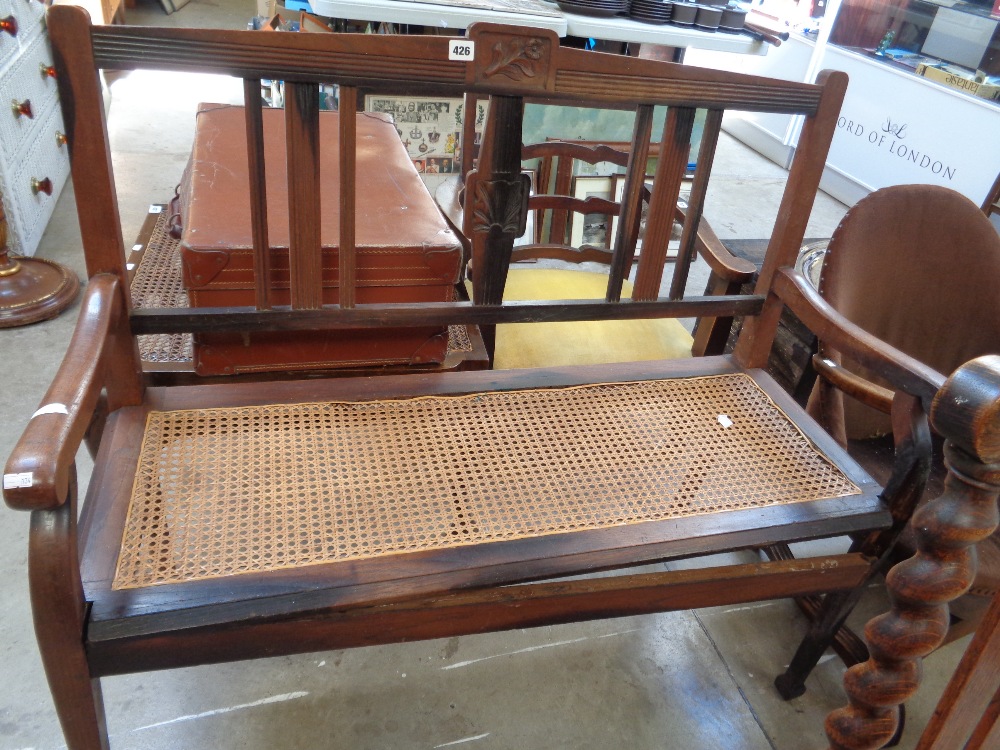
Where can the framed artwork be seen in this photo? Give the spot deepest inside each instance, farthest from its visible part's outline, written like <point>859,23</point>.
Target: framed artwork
<point>591,229</point>
<point>529,237</point>
<point>673,247</point>
<point>429,127</point>
<point>619,193</point>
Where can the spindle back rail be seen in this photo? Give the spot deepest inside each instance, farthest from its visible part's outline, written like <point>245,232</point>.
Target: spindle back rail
<point>508,68</point>
<point>245,519</point>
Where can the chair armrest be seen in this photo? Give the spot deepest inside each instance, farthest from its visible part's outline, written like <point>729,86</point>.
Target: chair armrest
<point>902,371</point>
<point>38,471</point>
<point>722,262</point>
<point>853,384</point>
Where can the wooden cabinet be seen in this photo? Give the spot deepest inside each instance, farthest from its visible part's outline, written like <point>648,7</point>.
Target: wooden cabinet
<point>34,159</point>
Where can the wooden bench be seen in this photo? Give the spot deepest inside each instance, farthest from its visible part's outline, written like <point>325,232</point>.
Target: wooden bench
<point>253,519</point>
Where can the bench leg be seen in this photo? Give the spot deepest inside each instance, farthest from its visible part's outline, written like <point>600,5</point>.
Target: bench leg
<point>828,615</point>
<point>58,611</point>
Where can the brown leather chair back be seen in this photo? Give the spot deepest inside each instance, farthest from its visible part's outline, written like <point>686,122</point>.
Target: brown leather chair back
<point>919,267</point>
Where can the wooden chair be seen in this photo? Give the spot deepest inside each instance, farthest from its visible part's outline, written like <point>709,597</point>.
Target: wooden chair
<point>241,520</point>
<point>557,221</point>
<point>918,266</point>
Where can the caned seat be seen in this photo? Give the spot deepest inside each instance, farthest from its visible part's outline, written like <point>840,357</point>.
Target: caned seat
<point>265,488</point>
<point>251,518</point>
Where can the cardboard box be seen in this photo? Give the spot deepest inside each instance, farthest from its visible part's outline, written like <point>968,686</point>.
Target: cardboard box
<point>960,80</point>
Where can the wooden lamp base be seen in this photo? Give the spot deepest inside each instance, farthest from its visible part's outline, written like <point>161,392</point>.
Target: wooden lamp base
<point>32,289</point>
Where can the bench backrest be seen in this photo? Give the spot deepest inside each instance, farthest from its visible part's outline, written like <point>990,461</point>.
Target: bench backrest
<point>508,66</point>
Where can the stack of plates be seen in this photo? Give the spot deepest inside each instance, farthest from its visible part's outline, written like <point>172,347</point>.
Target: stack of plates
<point>684,14</point>
<point>652,11</point>
<point>595,7</point>
<point>708,17</point>
<point>733,19</point>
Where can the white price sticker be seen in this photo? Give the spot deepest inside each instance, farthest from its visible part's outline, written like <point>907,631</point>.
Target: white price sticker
<point>51,409</point>
<point>13,481</point>
<point>461,49</point>
<point>154,209</point>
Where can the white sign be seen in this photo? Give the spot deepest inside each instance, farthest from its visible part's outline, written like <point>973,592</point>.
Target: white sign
<point>898,129</point>
<point>462,50</point>
<point>13,481</point>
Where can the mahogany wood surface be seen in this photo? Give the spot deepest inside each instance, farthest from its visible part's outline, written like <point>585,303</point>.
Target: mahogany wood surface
<point>693,215</point>
<point>675,149</point>
<point>968,714</point>
<point>302,166</point>
<point>477,611</point>
<point>86,628</point>
<point>347,107</point>
<point>258,192</point>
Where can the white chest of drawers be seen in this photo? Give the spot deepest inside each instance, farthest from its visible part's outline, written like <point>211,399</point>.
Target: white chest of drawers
<point>34,162</point>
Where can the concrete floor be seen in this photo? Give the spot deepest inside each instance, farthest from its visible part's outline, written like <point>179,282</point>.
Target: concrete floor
<point>691,680</point>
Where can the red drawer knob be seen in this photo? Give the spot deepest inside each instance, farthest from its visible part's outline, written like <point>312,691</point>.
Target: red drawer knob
<point>9,24</point>
<point>61,138</point>
<point>41,186</point>
<point>48,71</point>
<point>22,109</point>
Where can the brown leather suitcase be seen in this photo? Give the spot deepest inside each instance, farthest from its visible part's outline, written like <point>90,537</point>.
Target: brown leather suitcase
<point>405,250</point>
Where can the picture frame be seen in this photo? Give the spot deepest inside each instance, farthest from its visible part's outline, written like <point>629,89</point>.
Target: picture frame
<point>619,193</point>
<point>529,237</point>
<point>429,127</point>
<point>673,247</point>
<point>591,229</point>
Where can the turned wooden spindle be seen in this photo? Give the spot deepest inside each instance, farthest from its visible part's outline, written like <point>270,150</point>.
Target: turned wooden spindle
<point>966,411</point>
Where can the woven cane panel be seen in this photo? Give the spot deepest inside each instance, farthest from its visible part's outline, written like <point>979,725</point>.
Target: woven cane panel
<point>158,282</point>
<point>458,339</point>
<point>226,491</point>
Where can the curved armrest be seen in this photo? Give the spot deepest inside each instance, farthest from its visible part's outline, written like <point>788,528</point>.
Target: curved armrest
<point>40,465</point>
<point>901,370</point>
<point>722,262</point>
<point>852,384</point>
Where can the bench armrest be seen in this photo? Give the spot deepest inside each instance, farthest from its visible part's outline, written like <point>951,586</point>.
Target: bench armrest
<point>723,263</point>
<point>37,474</point>
<point>902,371</point>
<point>852,384</point>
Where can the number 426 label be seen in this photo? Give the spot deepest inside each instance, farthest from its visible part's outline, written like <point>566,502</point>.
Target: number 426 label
<point>461,49</point>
